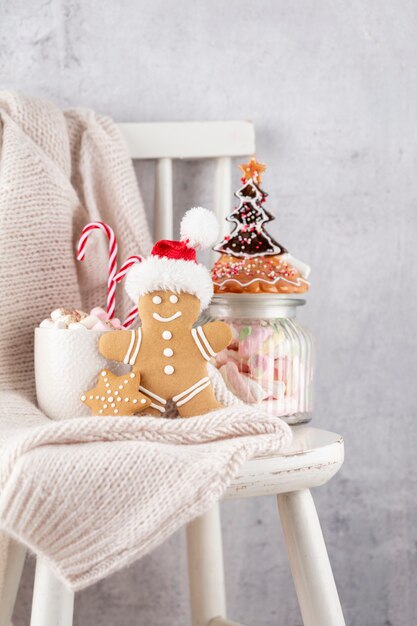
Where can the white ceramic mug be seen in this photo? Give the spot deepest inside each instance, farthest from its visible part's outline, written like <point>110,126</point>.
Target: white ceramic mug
<point>67,363</point>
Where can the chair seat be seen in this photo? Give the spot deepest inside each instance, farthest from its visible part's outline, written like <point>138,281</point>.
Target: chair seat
<point>314,457</point>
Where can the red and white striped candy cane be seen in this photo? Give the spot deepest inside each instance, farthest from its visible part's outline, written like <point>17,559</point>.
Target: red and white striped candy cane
<point>133,313</point>
<point>131,316</point>
<point>132,260</point>
<point>111,285</point>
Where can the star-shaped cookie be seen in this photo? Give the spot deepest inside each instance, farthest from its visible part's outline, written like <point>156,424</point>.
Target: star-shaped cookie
<point>116,395</point>
<point>253,170</point>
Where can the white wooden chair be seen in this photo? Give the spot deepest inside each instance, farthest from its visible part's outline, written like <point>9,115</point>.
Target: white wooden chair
<point>314,458</point>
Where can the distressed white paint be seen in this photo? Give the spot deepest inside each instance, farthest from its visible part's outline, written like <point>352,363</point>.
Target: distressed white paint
<point>189,140</point>
<point>223,190</point>
<point>291,475</point>
<point>332,90</point>
<point>15,559</point>
<point>205,568</point>
<point>314,457</point>
<point>220,621</point>
<point>163,224</point>
<point>53,602</point>
<point>164,142</point>
<point>311,570</point>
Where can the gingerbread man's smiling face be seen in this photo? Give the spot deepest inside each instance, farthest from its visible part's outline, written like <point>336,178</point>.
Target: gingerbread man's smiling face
<point>160,308</point>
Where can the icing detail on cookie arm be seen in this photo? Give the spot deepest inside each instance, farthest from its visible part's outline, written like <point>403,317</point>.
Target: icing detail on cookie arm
<point>205,341</point>
<point>129,350</point>
<point>196,338</point>
<point>187,391</point>
<point>136,352</point>
<point>193,393</point>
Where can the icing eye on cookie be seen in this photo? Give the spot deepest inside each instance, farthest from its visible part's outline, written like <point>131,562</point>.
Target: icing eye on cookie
<point>157,300</point>
<point>173,299</point>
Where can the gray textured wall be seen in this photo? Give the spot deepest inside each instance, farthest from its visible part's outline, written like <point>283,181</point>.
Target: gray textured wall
<point>332,88</point>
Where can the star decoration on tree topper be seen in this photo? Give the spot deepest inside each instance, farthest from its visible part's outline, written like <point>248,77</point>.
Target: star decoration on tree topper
<point>253,170</point>
<point>116,395</point>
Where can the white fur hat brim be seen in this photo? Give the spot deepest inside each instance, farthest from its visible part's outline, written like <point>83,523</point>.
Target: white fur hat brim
<point>164,274</point>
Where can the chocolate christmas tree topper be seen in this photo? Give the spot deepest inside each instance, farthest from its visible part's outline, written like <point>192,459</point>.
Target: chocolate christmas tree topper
<point>251,259</point>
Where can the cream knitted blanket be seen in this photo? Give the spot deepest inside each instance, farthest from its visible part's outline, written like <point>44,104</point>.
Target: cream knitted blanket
<point>90,494</point>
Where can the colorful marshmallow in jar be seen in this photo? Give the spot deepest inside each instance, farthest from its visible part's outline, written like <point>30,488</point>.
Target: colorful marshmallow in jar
<point>257,285</point>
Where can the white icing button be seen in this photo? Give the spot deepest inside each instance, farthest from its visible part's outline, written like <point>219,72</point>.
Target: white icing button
<point>173,299</point>
<point>102,398</point>
<point>157,299</point>
<point>108,390</point>
<point>168,352</point>
<point>103,373</point>
<point>91,397</point>
<point>116,410</point>
<point>104,406</point>
<point>119,399</point>
<point>126,399</point>
<point>110,398</point>
<point>83,398</point>
<point>166,334</point>
<point>168,369</point>
<point>113,404</point>
<point>120,386</point>
<point>132,375</point>
<point>143,401</point>
<point>125,382</point>
<point>107,384</point>
<point>97,397</point>
<point>116,393</point>
<point>135,401</point>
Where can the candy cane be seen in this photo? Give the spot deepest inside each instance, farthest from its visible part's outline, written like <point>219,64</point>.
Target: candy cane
<point>132,260</point>
<point>111,285</point>
<point>133,313</point>
<point>131,316</point>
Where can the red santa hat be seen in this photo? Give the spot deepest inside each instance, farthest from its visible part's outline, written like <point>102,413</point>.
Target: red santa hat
<point>173,266</point>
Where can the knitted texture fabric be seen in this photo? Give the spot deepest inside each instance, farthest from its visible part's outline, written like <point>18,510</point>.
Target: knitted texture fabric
<point>94,494</point>
<point>58,172</point>
<point>90,495</point>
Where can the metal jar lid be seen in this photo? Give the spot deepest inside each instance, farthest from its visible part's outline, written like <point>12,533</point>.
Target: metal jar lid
<point>254,306</point>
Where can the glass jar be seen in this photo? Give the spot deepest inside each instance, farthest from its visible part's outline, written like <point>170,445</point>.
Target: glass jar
<point>270,359</point>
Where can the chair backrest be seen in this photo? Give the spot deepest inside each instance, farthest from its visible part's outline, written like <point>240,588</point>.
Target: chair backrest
<point>166,141</point>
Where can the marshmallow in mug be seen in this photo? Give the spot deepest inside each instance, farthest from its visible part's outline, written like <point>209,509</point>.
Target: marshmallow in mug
<point>74,319</point>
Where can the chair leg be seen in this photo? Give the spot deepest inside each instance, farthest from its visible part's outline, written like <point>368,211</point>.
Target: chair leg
<point>16,553</point>
<point>53,602</point>
<point>205,568</point>
<point>310,566</point>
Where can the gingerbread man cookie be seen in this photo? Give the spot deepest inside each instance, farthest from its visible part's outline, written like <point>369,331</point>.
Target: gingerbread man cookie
<point>170,288</point>
<point>169,353</point>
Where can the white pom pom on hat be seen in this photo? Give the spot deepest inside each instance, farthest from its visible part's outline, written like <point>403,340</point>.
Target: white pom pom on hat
<point>172,265</point>
<point>199,228</point>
